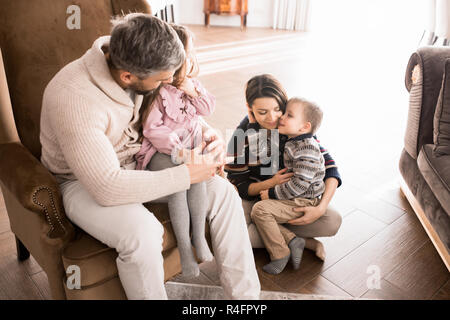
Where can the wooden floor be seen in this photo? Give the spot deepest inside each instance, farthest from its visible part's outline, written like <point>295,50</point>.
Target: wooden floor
<point>362,94</point>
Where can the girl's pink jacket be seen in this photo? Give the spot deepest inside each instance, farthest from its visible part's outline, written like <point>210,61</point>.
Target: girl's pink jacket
<point>173,121</point>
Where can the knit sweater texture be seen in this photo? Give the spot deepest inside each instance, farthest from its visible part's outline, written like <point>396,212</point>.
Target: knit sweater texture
<point>302,156</point>
<point>89,133</point>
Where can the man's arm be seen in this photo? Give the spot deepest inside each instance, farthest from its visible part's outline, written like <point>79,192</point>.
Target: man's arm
<point>80,130</point>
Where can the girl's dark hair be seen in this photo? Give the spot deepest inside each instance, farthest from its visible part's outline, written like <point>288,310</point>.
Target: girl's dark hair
<point>265,86</point>
<point>184,34</point>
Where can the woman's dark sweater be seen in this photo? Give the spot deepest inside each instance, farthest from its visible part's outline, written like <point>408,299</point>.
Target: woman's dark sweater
<point>249,165</point>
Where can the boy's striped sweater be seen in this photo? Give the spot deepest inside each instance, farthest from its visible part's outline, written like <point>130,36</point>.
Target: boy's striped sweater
<point>242,173</point>
<point>302,156</point>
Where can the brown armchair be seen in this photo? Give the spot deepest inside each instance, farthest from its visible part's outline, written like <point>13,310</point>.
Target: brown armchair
<point>35,43</point>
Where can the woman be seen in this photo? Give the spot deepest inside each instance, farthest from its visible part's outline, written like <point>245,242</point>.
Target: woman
<point>252,172</point>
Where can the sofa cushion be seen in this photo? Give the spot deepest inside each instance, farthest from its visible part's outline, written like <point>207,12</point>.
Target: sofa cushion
<point>435,213</point>
<point>441,123</point>
<point>97,261</point>
<point>436,172</point>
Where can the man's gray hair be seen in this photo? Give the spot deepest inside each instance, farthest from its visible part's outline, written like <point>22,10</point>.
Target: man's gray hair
<point>143,45</point>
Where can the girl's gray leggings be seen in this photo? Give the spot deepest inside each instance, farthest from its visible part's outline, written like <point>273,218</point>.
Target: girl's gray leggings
<point>186,208</point>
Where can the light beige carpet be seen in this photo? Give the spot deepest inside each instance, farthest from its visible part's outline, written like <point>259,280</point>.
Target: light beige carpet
<point>188,291</point>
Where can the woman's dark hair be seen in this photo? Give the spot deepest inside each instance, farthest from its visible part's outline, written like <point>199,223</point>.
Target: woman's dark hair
<point>265,86</point>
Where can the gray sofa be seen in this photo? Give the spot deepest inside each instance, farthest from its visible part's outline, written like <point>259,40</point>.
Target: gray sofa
<point>425,159</point>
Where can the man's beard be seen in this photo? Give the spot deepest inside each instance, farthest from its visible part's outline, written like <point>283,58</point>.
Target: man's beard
<point>144,92</point>
<point>138,90</point>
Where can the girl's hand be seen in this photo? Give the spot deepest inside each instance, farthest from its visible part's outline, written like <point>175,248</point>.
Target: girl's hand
<point>188,87</point>
<point>264,194</point>
<point>214,141</point>
<point>251,116</point>
<point>311,214</point>
<point>281,177</point>
<point>221,172</point>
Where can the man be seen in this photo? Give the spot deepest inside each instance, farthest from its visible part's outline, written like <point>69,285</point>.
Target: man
<point>89,117</point>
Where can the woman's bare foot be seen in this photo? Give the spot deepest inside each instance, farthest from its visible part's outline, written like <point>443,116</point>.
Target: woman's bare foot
<point>317,246</point>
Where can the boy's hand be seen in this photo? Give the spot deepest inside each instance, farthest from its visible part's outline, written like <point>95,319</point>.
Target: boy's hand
<point>264,194</point>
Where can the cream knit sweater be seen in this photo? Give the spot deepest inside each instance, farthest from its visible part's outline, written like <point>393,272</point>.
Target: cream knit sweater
<point>88,132</point>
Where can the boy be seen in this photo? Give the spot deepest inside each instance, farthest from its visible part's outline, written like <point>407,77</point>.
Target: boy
<point>302,156</point>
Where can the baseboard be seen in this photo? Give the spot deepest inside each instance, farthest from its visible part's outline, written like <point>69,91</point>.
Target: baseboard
<point>437,242</point>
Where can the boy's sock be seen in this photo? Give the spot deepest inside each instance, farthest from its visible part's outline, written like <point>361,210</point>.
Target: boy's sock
<point>317,246</point>
<point>276,266</point>
<point>297,246</point>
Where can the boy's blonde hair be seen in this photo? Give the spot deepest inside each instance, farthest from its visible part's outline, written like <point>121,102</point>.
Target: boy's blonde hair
<point>311,112</point>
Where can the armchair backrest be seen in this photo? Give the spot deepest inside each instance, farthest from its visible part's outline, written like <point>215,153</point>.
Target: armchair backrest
<point>37,39</point>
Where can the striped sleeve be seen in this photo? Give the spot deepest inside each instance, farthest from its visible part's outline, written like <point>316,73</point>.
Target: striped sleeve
<point>331,169</point>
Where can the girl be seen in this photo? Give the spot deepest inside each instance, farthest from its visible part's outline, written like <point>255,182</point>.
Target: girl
<point>258,158</point>
<point>171,128</point>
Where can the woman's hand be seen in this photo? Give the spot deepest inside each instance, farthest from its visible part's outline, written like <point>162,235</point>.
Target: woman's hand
<point>311,214</point>
<point>281,177</point>
<point>314,213</point>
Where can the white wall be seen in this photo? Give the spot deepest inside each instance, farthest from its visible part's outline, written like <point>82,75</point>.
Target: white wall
<point>260,14</point>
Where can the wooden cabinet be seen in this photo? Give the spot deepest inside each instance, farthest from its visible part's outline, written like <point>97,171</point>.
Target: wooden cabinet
<point>226,7</point>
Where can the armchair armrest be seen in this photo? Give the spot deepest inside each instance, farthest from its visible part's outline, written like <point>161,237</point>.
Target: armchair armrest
<point>34,187</point>
<point>423,83</point>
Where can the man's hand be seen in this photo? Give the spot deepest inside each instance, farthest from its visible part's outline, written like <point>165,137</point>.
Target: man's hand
<point>264,194</point>
<point>311,214</point>
<point>203,166</point>
<point>214,143</point>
